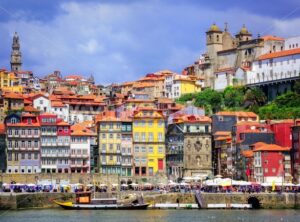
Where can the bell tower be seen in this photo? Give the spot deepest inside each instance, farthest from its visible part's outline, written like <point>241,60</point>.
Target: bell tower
<point>16,55</point>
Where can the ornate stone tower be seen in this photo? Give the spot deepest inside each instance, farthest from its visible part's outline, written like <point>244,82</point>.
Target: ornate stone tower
<point>243,35</point>
<point>16,55</point>
<point>214,41</point>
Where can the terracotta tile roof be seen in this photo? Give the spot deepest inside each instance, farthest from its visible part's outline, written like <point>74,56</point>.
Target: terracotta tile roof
<point>165,100</point>
<point>48,114</point>
<point>31,109</point>
<point>80,130</point>
<point>258,144</point>
<point>272,38</point>
<point>271,147</point>
<point>27,101</point>
<point>77,77</point>
<point>247,153</point>
<point>143,85</point>
<point>13,95</point>
<point>222,133</point>
<point>222,138</point>
<point>192,119</point>
<point>279,54</point>
<point>238,114</point>
<point>57,104</point>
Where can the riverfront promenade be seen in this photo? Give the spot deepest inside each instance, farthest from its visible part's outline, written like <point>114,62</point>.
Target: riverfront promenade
<point>45,200</point>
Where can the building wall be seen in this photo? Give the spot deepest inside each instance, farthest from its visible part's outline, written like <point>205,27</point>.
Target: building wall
<point>274,69</point>
<point>110,147</point>
<point>149,146</point>
<point>197,155</point>
<point>43,104</point>
<point>61,112</point>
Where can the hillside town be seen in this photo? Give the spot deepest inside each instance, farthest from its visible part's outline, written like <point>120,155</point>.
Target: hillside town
<point>138,131</point>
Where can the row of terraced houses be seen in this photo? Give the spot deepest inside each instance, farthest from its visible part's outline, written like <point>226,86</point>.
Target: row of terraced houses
<point>135,129</point>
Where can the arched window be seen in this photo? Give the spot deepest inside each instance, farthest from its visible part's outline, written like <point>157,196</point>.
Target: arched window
<point>217,38</point>
<point>13,120</point>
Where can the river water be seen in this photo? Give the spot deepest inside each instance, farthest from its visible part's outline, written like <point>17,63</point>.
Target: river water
<point>58,215</point>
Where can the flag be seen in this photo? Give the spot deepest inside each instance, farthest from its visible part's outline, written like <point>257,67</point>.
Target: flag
<point>273,185</point>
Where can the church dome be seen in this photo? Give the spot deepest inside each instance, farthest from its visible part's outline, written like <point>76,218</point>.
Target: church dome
<point>214,28</point>
<point>244,31</point>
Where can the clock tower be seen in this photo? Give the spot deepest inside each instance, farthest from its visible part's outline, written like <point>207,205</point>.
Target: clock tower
<point>16,55</point>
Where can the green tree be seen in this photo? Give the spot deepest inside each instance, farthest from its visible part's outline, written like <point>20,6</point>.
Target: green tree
<point>254,98</point>
<point>210,99</point>
<point>234,96</point>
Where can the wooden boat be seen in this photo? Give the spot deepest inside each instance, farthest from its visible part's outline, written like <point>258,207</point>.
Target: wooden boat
<point>84,201</point>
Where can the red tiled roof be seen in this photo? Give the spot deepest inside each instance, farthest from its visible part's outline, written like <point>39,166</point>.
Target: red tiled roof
<point>279,54</point>
<point>239,114</point>
<point>271,147</point>
<point>247,153</point>
<point>30,109</point>
<point>272,38</point>
<point>222,133</point>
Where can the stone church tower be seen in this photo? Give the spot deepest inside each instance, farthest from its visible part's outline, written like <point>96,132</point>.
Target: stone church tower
<point>16,55</point>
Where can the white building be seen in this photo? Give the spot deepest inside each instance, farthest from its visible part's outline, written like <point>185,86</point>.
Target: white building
<point>275,66</point>
<point>61,110</point>
<point>223,78</point>
<point>81,139</point>
<point>292,43</point>
<point>42,103</point>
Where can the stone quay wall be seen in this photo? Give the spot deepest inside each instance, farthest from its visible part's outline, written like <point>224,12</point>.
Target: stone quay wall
<point>45,200</point>
<point>84,178</point>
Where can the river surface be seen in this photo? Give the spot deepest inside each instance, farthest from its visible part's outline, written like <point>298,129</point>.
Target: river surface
<point>58,215</point>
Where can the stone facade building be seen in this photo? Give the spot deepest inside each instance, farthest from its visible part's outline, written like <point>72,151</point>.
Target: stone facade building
<point>189,147</point>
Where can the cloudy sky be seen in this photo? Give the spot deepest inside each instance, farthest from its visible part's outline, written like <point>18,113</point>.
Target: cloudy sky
<point>121,40</point>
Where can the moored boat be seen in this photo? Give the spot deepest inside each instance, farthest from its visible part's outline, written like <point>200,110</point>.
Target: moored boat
<point>84,201</point>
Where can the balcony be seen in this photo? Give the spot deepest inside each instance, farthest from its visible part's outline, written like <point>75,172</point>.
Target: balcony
<point>48,144</point>
<point>49,133</point>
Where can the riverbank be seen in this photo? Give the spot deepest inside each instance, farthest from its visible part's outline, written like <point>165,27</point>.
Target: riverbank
<point>15,201</point>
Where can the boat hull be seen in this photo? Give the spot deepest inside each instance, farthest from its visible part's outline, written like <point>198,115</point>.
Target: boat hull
<point>71,206</point>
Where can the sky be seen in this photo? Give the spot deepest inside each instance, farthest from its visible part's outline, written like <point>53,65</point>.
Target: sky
<point>122,40</point>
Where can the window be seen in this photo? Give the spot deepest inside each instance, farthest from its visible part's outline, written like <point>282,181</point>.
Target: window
<point>136,136</point>
<point>111,136</point>
<point>150,171</point>
<point>150,149</point>
<point>111,157</point>
<point>150,137</point>
<point>160,123</point>
<point>160,149</point>
<point>143,137</point>
<point>36,156</point>
<point>150,123</point>
<point>160,137</point>
<point>136,149</point>
<point>16,156</point>
<point>103,135</point>
<point>143,149</point>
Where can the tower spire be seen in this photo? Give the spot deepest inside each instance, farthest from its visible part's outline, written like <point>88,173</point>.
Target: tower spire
<point>16,55</point>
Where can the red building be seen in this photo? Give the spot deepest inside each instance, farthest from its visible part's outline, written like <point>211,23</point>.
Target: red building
<point>282,131</point>
<point>272,163</point>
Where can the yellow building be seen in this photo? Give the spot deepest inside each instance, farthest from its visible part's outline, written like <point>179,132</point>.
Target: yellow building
<point>109,139</point>
<point>9,82</point>
<point>184,84</point>
<point>148,142</point>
